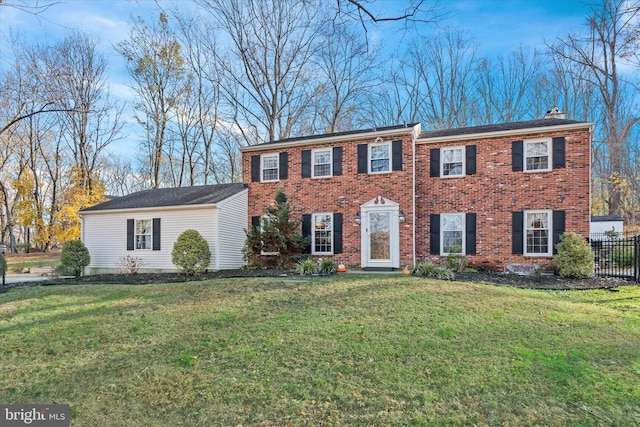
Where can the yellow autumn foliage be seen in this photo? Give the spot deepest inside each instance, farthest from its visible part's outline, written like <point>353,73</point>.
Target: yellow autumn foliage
<point>74,199</point>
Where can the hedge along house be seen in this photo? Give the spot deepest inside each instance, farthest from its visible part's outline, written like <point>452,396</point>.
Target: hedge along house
<point>393,196</point>
<point>146,224</point>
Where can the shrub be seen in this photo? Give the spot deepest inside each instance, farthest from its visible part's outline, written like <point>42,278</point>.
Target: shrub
<point>328,266</point>
<point>574,258</point>
<point>307,267</point>
<point>456,262</point>
<point>131,264</point>
<point>74,257</point>
<point>191,253</point>
<point>429,269</point>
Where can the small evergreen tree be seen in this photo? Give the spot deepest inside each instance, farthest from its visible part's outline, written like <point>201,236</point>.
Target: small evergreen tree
<point>574,258</point>
<point>74,257</point>
<point>191,253</point>
<point>276,242</point>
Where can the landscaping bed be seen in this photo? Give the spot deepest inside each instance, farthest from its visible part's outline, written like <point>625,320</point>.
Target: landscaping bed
<point>541,281</point>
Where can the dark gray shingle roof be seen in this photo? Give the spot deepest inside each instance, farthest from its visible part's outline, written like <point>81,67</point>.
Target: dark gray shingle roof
<point>345,133</point>
<point>501,127</point>
<point>163,197</point>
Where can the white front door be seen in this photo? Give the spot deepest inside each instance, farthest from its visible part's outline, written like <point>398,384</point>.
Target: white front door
<point>380,234</point>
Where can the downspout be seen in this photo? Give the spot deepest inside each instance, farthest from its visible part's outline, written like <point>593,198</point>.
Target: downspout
<point>413,190</point>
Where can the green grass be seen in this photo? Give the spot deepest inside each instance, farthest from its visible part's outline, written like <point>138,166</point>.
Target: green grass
<point>338,351</point>
<point>18,263</point>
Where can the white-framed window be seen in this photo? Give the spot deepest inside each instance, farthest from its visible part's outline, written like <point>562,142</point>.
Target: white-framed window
<point>452,162</point>
<point>269,170</point>
<point>321,163</point>
<point>322,235</point>
<point>267,248</point>
<point>380,157</point>
<point>143,233</point>
<point>452,233</point>
<point>537,233</point>
<point>537,155</point>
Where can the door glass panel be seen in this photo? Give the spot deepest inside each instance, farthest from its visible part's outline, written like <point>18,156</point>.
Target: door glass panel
<point>380,235</point>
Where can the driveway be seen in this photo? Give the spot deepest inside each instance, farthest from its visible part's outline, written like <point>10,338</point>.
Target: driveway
<point>22,278</point>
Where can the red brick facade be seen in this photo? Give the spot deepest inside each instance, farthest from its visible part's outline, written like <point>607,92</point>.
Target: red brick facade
<point>492,194</point>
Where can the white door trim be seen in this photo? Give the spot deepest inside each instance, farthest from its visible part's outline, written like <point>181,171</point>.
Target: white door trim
<point>380,205</point>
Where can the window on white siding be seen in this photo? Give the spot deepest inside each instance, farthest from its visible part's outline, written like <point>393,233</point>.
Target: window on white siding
<point>143,234</point>
<point>537,155</point>
<point>321,160</point>
<point>452,161</point>
<point>269,167</point>
<point>380,158</point>
<point>537,232</point>
<point>452,233</point>
<point>322,233</point>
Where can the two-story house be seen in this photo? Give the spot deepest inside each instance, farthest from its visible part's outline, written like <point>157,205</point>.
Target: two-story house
<point>393,196</point>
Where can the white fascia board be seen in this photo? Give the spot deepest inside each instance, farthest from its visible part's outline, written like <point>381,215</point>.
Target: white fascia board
<point>415,130</point>
<point>151,209</point>
<point>497,134</point>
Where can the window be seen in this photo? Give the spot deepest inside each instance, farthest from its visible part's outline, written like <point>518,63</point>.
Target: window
<point>452,161</point>
<point>269,167</point>
<point>536,155</point>
<point>267,247</point>
<point>452,228</point>
<point>379,158</point>
<point>322,234</point>
<point>537,232</point>
<point>143,234</point>
<point>321,163</point>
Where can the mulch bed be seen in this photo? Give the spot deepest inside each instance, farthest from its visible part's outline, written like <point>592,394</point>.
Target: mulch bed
<point>543,281</point>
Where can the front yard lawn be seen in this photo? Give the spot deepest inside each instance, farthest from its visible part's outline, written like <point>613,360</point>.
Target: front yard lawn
<point>337,351</point>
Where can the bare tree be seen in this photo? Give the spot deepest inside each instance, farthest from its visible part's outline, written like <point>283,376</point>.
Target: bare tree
<point>156,67</point>
<point>445,66</point>
<point>611,38</point>
<point>507,87</point>
<point>265,73</point>
<point>91,119</point>
<point>347,68</point>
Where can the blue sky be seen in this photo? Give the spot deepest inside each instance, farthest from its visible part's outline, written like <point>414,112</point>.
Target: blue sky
<point>500,26</point>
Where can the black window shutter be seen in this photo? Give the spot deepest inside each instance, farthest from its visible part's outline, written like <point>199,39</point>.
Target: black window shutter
<point>517,234</point>
<point>255,168</point>
<point>434,165</point>
<point>131,234</point>
<point>337,233</point>
<point>396,155</point>
<point>337,161</point>
<point>470,159</point>
<point>558,228</point>
<point>517,156</point>
<point>156,234</point>
<point>306,231</point>
<point>434,234</point>
<point>306,163</point>
<point>558,152</point>
<point>255,222</point>
<point>363,154</point>
<point>470,229</point>
<point>284,165</point>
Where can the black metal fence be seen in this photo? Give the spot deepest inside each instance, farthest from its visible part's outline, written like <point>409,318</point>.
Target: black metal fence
<point>616,255</point>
